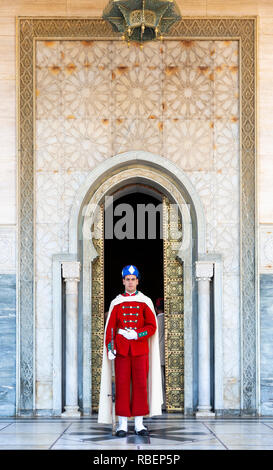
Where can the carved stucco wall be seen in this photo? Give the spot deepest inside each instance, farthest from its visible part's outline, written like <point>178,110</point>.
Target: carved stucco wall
<point>178,98</point>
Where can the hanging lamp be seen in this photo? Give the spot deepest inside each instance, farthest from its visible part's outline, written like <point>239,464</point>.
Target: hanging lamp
<point>141,20</point>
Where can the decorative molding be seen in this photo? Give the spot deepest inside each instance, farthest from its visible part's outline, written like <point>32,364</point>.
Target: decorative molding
<point>31,29</point>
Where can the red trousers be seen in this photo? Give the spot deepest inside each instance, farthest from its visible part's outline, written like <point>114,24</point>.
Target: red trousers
<point>133,368</point>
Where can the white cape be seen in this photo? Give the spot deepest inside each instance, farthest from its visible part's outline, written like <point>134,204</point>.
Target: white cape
<point>155,397</point>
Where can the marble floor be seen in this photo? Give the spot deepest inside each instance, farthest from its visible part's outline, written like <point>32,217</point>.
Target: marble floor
<point>171,431</point>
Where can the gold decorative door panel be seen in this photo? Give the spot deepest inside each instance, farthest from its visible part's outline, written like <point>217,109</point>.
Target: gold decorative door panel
<point>173,309</point>
<point>97,309</point>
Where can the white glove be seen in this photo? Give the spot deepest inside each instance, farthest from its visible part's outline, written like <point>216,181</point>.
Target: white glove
<point>111,356</point>
<point>129,334</point>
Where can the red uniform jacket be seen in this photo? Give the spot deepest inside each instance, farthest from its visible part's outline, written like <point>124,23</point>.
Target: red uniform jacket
<point>133,315</point>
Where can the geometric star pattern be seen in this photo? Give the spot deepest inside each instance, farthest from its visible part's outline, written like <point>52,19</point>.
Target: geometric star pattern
<point>175,434</point>
<point>162,431</point>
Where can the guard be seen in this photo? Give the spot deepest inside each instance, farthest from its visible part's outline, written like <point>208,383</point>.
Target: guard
<point>137,359</point>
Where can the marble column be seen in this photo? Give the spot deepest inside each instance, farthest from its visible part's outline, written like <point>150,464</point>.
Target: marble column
<point>204,274</point>
<point>71,275</point>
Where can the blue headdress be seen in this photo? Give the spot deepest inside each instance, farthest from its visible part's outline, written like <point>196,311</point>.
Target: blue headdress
<point>130,269</point>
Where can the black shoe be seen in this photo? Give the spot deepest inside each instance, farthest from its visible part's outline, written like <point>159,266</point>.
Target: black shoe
<point>121,433</point>
<point>143,432</point>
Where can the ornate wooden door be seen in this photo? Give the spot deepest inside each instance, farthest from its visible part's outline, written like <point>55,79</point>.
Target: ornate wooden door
<point>173,309</point>
<point>97,310</point>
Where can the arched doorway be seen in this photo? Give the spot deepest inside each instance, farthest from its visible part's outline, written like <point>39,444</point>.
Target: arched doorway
<point>162,273</point>
<point>158,176</point>
<point>134,245</point>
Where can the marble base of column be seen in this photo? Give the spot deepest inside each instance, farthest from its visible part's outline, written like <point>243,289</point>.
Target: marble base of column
<point>71,412</point>
<point>203,413</point>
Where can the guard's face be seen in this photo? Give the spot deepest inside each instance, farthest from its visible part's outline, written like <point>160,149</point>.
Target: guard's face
<point>130,283</point>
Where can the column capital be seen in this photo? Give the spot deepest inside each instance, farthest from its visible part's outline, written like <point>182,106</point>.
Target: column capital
<point>71,270</point>
<point>203,270</point>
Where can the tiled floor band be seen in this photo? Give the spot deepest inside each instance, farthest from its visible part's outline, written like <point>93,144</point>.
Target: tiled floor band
<point>166,432</point>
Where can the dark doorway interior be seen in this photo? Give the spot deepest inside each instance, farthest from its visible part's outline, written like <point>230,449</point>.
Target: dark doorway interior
<point>146,254</point>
